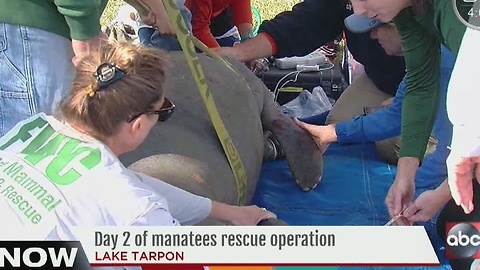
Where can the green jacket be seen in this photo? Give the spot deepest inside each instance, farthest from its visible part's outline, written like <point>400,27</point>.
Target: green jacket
<point>73,19</point>
<point>422,36</point>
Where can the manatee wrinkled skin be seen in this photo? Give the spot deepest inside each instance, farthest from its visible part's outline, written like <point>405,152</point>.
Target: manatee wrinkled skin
<point>186,152</point>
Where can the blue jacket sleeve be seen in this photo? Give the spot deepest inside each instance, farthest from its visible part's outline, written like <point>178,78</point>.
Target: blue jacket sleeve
<point>309,25</point>
<point>380,125</point>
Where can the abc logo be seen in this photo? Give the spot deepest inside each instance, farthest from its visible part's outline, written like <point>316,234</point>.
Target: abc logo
<point>463,240</point>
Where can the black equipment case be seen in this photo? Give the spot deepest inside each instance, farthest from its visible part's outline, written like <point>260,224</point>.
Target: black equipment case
<point>331,80</point>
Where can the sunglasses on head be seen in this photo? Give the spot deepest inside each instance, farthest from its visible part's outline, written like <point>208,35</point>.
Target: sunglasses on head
<point>163,114</point>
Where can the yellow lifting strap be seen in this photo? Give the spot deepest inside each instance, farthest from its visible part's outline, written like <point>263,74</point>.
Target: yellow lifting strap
<point>188,42</point>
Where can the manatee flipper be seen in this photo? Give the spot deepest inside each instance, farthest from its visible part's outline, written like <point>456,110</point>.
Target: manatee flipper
<point>303,156</point>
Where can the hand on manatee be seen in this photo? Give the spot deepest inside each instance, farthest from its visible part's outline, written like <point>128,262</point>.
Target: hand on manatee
<point>250,215</point>
<point>322,135</point>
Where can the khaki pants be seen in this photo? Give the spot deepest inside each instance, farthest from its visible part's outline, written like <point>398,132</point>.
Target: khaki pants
<point>363,93</point>
<point>360,94</point>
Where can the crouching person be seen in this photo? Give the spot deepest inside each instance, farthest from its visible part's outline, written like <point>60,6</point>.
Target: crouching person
<point>60,172</point>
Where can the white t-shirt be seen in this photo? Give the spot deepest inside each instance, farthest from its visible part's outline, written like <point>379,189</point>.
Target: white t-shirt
<point>53,178</point>
<point>463,97</point>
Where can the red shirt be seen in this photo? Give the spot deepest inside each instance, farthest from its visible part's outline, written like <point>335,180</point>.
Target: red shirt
<point>203,11</point>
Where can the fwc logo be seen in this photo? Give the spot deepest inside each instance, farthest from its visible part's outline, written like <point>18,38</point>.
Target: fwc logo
<point>42,255</point>
<point>463,240</point>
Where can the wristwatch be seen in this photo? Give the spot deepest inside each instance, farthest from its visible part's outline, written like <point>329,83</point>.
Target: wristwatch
<point>246,37</point>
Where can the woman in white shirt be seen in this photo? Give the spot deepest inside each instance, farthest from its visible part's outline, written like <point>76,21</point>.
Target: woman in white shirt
<point>56,173</point>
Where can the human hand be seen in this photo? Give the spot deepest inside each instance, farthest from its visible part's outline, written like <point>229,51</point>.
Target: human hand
<point>460,176</point>
<point>389,39</point>
<point>250,215</point>
<point>461,163</point>
<point>400,196</point>
<point>148,19</point>
<point>259,65</point>
<point>157,15</point>
<point>82,48</point>
<point>387,102</point>
<point>162,23</point>
<point>322,135</point>
<point>425,206</point>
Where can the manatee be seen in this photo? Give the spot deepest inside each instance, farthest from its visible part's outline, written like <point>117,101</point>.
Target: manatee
<point>186,152</point>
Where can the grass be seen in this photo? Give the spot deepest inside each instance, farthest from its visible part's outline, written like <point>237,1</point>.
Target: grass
<point>110,11</point>
<point>267,8</point>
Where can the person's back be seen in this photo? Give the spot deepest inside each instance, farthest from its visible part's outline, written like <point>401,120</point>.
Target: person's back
<point>204,11</point>
<point>53,179</point>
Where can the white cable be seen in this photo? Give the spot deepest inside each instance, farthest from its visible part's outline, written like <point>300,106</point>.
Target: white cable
<point>332,65</point>
<point>294,80</point>
<point>276,91</point>
<point>281,79</point>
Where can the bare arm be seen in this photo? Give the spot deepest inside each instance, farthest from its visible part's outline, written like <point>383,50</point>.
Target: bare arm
<point>242,17</point>
<point>293,33</point>
<point>255,48</point>
<point>82,48</point>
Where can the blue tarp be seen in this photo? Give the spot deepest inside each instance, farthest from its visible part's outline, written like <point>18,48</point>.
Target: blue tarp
<point>352,192</point>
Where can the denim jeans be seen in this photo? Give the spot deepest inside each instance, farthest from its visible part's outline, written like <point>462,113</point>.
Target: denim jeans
<point>36,70</point>
<point>227,41</point>
<point>318,119</point>
<point>152,37</point>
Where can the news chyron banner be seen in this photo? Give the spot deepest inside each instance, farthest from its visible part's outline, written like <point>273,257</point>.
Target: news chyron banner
<point>213,246</point>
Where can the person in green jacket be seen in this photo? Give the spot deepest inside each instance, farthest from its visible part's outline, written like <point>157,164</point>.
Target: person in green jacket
<point>423,25</point>
<point>40,42</point>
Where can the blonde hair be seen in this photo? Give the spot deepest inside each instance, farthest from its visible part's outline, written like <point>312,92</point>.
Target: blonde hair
<point>101,111</point>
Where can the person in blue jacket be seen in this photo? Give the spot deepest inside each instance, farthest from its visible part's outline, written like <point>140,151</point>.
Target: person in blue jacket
<point>385,123</point>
